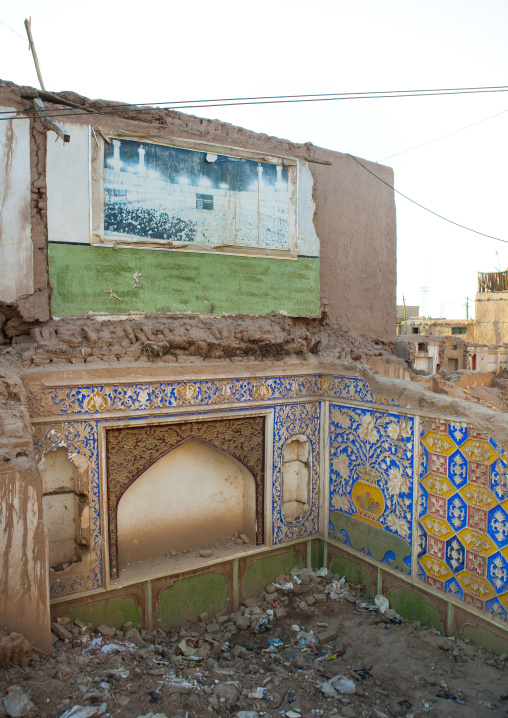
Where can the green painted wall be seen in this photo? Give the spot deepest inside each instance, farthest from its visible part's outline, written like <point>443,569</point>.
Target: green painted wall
<point>81,276</point>
<point>186,598</point>
<point>113,612</point>
<point>317,553</point>
<point>482,636</point>
<point>414,606</point>
<point>354,573</point>
<point>266,569</point>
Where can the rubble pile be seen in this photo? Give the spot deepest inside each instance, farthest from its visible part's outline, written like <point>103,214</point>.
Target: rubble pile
<point>309,645</point>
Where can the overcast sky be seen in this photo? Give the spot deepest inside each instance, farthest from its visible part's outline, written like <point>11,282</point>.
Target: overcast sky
<point>158,50</point>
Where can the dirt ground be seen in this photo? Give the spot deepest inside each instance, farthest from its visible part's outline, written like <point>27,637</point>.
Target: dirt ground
<point>258,663</point>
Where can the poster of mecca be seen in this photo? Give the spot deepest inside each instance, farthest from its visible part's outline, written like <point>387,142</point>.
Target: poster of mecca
<point>163,193</point>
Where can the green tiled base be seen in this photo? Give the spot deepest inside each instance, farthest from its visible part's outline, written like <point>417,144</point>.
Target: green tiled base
<point>186,598</point>
<point>266,569</point>
<point>114,612</point>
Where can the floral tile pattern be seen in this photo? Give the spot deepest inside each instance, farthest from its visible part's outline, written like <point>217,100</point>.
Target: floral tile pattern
<point>79,437</point>
<point>100,399</point>
<point>371,478</point>
<point>292,420</point>
<point>81,411</point>
<point>463,516</point>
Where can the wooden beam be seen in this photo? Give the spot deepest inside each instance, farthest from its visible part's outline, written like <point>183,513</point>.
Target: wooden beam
<point>49,122</point>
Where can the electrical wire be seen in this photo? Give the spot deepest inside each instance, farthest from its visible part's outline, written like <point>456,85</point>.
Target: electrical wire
<point>462,226</point>
<point>14,31</point>
<point>383,159</point>
<point>276,99</point>
<point>310,94</point>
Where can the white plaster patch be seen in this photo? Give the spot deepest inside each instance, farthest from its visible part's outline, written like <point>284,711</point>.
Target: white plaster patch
<point>68,186</point>
<point>308,241</point>
<point>16,252</point>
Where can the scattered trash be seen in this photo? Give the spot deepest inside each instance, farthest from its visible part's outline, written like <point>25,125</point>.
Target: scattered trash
<point>363,674</point>
<point>261,625</point>
<point>337,589</point>
<point>112,647</point>
<point>18,705</point>
<point>118,673</point>
<point>85,712</point>
<point>303,639</point>
<point>382,603</point>
<point>209,667</point>
<point>446,696</point>
<point>363,606</point>
<point>336,686</point>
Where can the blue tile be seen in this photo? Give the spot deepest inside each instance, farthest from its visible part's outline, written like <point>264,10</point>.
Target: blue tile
<point>457,469</point>
<point>498,526</point>
<point>457,512</point>
<point>455,554</point>
<point>497,572</point>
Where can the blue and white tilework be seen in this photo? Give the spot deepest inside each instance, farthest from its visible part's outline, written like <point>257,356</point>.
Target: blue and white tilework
<point>101,399</point>
<point>293,420</point>
<point>79,437</point>
<point>371,470</point>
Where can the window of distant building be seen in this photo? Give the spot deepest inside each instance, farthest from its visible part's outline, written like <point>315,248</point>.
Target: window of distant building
<point>459,330</point>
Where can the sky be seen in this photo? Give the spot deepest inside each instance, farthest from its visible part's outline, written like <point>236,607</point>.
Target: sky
<point>167,51</point>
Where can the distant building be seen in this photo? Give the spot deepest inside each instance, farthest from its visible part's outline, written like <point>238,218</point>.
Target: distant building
<point>437,327</point>
<point>491,308</point>
<point>432,354</point>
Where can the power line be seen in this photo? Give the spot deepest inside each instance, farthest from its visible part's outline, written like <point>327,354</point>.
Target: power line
<point>462,226</point>
<point>277,99</point>
<point>311,95</point>
<point>442,136</point>
<point>14,31</point>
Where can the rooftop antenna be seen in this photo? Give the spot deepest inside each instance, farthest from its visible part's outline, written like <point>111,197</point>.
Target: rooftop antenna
<point>424,292</point>
<point>31,46</point>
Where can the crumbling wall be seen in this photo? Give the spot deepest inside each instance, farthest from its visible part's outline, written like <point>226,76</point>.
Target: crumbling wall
<point>354,220</point>
<point>24,594</point>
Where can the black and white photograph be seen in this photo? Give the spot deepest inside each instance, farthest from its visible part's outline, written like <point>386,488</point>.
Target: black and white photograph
<point>159,192</point>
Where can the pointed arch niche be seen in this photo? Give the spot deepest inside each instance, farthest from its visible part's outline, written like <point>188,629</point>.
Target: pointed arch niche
<point>181,486</point>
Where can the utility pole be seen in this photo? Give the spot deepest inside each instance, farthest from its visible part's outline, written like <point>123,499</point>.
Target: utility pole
<point>405,322</point>
<point>28,26</point>
<point>467,307</point>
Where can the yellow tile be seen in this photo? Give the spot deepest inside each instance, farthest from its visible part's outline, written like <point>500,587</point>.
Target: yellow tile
<point>437,527</point>
<point>439,443</point>
<point>481,451</point>
<point>477,542</point>
<point>475,585</point>
<point>477,496</point>
<point>436,568</point>
<point>438,485</point>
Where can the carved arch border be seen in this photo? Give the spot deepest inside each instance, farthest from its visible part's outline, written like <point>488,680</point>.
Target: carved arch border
<point>130,451</point>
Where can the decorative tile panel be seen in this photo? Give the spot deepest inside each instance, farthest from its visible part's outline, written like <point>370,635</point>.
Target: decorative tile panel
<point>371,483</point>
<point>131,450</point>
<point>465,474</point>
<point>101,399</point>
<point>293,420</point>
<point>80,437</point>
